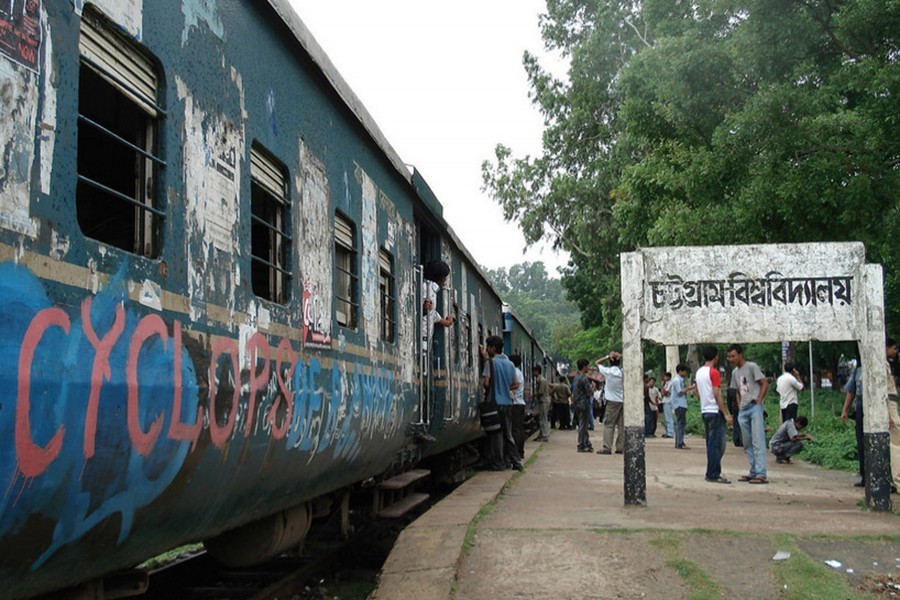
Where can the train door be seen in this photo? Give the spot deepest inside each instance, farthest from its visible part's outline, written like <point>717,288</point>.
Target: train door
<point>433,368</point>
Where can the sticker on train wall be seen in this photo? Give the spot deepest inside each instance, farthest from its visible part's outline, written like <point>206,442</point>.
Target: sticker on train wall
<point>315,332</point>
<point>20,32</point>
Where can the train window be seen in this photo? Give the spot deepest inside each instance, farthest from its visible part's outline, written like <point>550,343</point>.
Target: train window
<point>386,294</point>
<point>269,218</point>
<point>119,161</point>
<point>345,272</point>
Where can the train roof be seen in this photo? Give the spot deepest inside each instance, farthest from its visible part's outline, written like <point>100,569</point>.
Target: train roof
<point>410,174</point>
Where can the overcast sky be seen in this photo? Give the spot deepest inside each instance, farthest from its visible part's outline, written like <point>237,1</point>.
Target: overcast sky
<point>445,83</point>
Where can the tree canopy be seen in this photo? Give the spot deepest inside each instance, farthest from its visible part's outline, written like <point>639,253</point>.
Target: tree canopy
<point>710,122</point>
<point>540,302</point>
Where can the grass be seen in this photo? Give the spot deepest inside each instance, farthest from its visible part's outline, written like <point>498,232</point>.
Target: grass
<point>835,442</point>
<point>797,578</point>
<point>801,578</point>
<point>702,586</point>
<point>171,556</point>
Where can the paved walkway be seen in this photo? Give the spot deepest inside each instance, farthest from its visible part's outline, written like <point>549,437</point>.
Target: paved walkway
<point>561,530</point>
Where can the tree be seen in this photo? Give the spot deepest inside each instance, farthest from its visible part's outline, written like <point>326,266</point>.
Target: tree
<point>539,301</point>
<point>710,122</point>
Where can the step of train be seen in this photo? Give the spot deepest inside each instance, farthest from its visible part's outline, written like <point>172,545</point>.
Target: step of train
<point>393,498</point>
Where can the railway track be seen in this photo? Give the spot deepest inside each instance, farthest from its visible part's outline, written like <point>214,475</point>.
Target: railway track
<point>326,566</point>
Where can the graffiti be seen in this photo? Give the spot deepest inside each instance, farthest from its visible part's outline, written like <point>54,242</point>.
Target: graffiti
<point>108,404</point>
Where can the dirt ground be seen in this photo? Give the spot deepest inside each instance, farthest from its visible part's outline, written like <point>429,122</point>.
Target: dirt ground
<point>561,529</point>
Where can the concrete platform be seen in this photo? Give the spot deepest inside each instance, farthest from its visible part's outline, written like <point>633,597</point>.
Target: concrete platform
<point>561,530</point>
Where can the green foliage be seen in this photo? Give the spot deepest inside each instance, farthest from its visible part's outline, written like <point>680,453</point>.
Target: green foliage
<point>540,302</point>
<point>835,442</point>
<point>710,122</point>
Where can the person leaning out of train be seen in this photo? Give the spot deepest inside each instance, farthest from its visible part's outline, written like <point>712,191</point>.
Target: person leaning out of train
<point>435,274</point>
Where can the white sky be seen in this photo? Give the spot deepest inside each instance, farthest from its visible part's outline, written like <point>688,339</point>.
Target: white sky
<point>445,84</point>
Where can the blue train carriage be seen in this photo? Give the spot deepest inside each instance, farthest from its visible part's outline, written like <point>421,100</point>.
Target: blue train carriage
<point>519,339</point>
<point>209,299</point>
<point>451,386</point>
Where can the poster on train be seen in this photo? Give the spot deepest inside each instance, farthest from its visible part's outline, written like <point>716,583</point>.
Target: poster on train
<point>20,31</point>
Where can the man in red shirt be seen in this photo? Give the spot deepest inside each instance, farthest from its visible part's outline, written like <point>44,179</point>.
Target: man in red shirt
<point>715,415</point>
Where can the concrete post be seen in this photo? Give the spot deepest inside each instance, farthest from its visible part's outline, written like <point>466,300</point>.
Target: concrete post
<point>672,359</point>
<point>875,414</point>
<point>635,476</point>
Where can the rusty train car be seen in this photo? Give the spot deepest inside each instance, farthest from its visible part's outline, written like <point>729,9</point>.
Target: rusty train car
<point>210,298</point>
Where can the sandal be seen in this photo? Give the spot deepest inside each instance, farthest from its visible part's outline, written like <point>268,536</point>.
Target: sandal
<point>758,480</point>
<point>719,479</point>
<point>745,478</point>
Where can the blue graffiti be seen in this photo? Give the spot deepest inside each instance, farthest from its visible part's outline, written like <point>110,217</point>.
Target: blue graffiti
<point>76,493</point>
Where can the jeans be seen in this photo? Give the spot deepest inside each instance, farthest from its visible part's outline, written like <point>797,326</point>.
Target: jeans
<point>584,438</point>
<point>714,424</point>
<point>860,445</point>
<point>789,413</point>
<point>670,419</point>
<point>518,428</point>
<point>787,449</point>
<point>680,423</point>
<point>753,434</point>
<point>510,452</point>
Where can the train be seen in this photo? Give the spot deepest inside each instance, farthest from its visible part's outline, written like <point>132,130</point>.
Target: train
<point>211,271</point>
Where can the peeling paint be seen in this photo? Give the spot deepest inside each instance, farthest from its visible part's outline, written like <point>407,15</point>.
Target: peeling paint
<point>407,311</point>
<point>314,247</point>
<point>212,172</point>
<point>59,245</point>
<point>464,287</point>
<point>18,114</point>
<point>368,263</point>
<point>47,124</point>
<point>150,295</point>
<point>197,12</point>
<point>128,14</point>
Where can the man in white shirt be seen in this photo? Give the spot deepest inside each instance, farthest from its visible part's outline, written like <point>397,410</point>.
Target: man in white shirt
<point>614,417</point>
<point>708,382</point>
<point>787,385</point>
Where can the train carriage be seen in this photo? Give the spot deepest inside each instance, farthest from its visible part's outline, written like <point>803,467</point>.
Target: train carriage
<point>210,304</point>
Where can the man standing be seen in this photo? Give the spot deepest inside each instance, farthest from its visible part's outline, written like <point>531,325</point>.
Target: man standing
<point>667,405</point>
<point>542,397</point>
<point>654,395</point>
<point>518,411</point>
<point>582,396</point>
<point>560,398</point>
<point>854,390</point>
<point>715,415</point>
<point>890,351</point>
<point>614,418</point>
<point>787,440</point>
<point>679,405</point>
<point>504,381</point>
<point>751,385</point>
<point>787,385</point>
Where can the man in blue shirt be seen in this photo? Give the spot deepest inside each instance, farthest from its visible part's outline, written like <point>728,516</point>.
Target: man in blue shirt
<point>504,382</point>
<point>679,405</point>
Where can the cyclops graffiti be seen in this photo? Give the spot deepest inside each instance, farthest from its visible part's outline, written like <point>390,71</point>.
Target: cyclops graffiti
<point>101,389</point>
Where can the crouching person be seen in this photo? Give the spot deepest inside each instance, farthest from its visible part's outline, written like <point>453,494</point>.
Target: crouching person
<point>788,440</point>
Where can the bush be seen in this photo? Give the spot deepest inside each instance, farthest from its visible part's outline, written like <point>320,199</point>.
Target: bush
<point>835,442</point>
